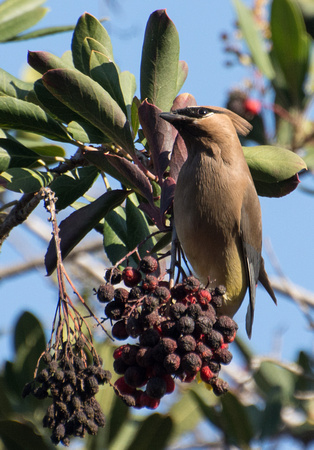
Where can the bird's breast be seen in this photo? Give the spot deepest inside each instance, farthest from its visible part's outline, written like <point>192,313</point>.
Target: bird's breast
<point>207,212</point>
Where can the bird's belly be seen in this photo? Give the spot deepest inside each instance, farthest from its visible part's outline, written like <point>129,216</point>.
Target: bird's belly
<point>214,253</point>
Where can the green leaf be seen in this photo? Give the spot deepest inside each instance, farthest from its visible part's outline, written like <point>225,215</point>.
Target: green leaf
<point>254,40</point>
<point>270,375</point>
<point>236,421</point>
<point>18,154</point>
<point>21,115</point>
<point>4,159</point>
<point>25,180</point>
<point>137,227</point>
<point>89,26</point>
<point>271,419</point>
<point>128,86</point>
<point>29,343</point>
<point>115,235</point>
<point>13,87</point>
<point>182,74</point>
<point>86,133</point>
<point>106,74</point>
<point>185,414</point>
<point>272,164</point>
<point>88,99</point>
<point>81,222</point>
<point>72,185</point>
<point>21,436</point>
<point>119,414</point>
<point>160,60</point>
<point>49,103</point>
<point>17,16</point>
<point>291,45</point>
<point>44,149</point>
<point>48,31</point>
<point>153,433</point>
<point>44,61</point>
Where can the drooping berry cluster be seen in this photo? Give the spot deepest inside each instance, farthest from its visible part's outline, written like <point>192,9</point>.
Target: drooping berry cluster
<point>180,335</point>
<point>71,383</point>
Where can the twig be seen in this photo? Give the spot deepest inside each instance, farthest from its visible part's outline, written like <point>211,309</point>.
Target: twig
<point>23,208</point>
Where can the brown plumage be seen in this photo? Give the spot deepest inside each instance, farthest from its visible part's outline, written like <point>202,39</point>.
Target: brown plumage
<point>216,208</point>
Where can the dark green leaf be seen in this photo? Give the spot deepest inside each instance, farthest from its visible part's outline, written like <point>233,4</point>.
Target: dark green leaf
<point>19,15</point>
<point>81,222</point>
<point>272,164</point>
<point>44,149</point>
<point>86,133</point>
<point>270,375</point>
<point>21,115</point>
<point>160,60</point>
<point>21,436</point>
<point>13,87</point>
<point>119,415</point>
<point>115,235</point>
<point>291,45</point>
<point>105,73</point>
<point>271,419</point>
<point>49,103</point>
<point>88,99</point>
<point>25,180</point>
<point>89,26</point>
<point>72,185</point>
<point>236,422</point>
<point>137,227</point>
<point>254,39</point>
<point>19,155</point>
<point>153,433</point>
<point>163,241</point>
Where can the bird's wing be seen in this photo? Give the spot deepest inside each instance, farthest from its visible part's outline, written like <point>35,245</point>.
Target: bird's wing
<point>251,240</point>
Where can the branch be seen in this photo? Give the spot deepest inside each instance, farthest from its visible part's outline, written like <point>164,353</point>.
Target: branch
<point>23,208</point>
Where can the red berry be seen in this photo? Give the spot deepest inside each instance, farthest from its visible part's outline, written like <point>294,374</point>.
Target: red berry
<point>252,106</point>
<point>122,387</point>
<point>118,351</point>
<point>206,374</point>
<point>131,276</point>
<point>170,384</point>
<point>204,296</point>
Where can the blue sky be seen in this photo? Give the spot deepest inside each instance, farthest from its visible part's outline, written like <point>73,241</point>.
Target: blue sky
<point>287,222</point>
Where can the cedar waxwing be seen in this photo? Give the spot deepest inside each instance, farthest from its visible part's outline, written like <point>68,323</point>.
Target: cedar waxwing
<point>217,213</point>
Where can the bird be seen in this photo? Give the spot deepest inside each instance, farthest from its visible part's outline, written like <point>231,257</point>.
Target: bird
<point>217,214</point>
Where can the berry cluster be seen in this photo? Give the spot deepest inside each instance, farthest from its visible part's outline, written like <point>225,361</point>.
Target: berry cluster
<point>180,335</point>
<point>72,385</point>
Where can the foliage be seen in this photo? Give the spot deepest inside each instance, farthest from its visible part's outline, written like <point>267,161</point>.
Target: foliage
<point>88,103</point>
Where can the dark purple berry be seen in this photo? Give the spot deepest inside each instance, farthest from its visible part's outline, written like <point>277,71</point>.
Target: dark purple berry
<point>135,376</point>
<point>177,310</point>
<point>186,343</point>
<point>119,330</point>
<point>148,264</point>
<point>156,387</point>
<point>105,293</point>
<point>149,338</point>
<point>172,363</point>
<point>113,275</point>
<point>186,325</point>
<point>191,363</point>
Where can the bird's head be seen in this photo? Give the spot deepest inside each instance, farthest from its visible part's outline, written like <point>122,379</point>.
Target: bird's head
<point>212,122</point>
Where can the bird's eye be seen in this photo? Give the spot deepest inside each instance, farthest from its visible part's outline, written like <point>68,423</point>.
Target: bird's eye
<point>203,111</point>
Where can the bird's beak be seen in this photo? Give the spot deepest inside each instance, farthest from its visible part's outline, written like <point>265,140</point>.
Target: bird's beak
<point>173,117</point>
